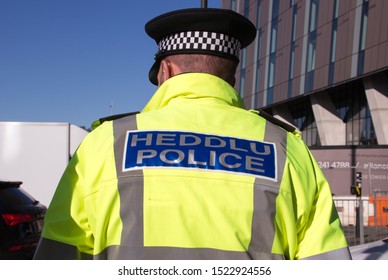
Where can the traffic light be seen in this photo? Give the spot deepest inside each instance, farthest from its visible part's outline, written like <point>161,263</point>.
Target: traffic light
<point>358,178</point>
<point>358,183</point>
<point>357,188</point>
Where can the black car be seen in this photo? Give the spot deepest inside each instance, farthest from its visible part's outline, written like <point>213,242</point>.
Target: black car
<point>21,221</point>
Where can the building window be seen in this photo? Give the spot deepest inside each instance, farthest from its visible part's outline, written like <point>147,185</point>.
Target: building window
<point>242,83</point>
<point>291,70</point>
<point>243,61</point>
<point>334,28</point>
<point>352,107</point>
<point>304,120</point>
<point>233,5</point>
<point>311,45</point>
<point>246,8</point>
<point>313,15</point>
<point>333,41</point>
<point>274,31</point>
<point>271,78</point>
<point>310,66</point>
<point>368,136</point>
<point>258,15</point>
<point>336,8</point>
<point>272,50</point>
<point>294,18</point>
<point>271,71</point>
<point>364,22</point>
<point>270,92</point>
<point>243,64</point>
<point>363,29</point>
<point>257,55</point>
<point>257,77</point>
<point>292,50</point>
<point>275,9</point>
<point>311,52</point>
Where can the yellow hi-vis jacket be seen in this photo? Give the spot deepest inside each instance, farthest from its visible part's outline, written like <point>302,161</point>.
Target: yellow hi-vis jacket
<point>193,176</point>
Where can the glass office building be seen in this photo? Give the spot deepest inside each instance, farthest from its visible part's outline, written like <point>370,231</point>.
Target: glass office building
<point>322,66</point>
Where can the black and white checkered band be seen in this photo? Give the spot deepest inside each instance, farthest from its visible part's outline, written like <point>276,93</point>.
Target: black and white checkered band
<point>200,40</point>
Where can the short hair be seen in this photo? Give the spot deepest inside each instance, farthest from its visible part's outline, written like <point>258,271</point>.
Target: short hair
<point>224,68</point>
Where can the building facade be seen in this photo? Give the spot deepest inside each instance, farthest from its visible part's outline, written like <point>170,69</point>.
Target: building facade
<point>322,66</point>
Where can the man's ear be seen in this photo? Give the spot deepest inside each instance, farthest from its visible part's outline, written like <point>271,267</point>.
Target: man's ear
<point>164,72</point>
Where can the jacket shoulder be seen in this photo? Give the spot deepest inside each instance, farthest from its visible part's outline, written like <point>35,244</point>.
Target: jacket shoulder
<point>277,122</point>
<point>100,121</point>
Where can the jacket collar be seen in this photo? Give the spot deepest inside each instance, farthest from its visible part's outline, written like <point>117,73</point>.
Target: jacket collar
<point>193,86</point>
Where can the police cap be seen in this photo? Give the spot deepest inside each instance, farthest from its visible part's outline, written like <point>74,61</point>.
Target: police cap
<point>210,31</point>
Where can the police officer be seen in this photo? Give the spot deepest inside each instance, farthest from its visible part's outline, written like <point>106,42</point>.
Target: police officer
<point>194,175</point>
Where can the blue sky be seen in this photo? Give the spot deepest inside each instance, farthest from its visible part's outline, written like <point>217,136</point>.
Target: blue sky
<point>77,60</point>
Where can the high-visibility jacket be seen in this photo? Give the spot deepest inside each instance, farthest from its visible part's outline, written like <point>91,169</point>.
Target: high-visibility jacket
<point>193,176</point>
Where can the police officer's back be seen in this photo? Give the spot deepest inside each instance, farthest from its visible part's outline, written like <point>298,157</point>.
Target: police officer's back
<point>195,175</point>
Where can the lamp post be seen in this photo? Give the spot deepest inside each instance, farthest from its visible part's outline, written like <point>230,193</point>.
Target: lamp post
<point>204,4</point>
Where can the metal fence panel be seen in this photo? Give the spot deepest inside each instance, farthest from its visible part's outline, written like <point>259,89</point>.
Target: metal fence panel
<point>374,225</point>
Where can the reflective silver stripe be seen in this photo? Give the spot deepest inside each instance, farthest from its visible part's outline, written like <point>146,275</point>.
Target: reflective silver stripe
<point>130,186</point>
<point>339,254</point>
<point>131,208</point>
<point>169,253</point>
<point>54,250</point>
<point>265,193</point>
<point>277,135</point>
<point>120,127</point>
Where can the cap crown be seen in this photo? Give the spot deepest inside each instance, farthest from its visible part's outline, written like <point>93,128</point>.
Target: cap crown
<point>210,31</point>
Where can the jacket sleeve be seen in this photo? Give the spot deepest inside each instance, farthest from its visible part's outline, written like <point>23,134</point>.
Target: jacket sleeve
<point>69,230</point>
<point>323,235</point>
<point>307,219</point>
<point>66,233</point>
